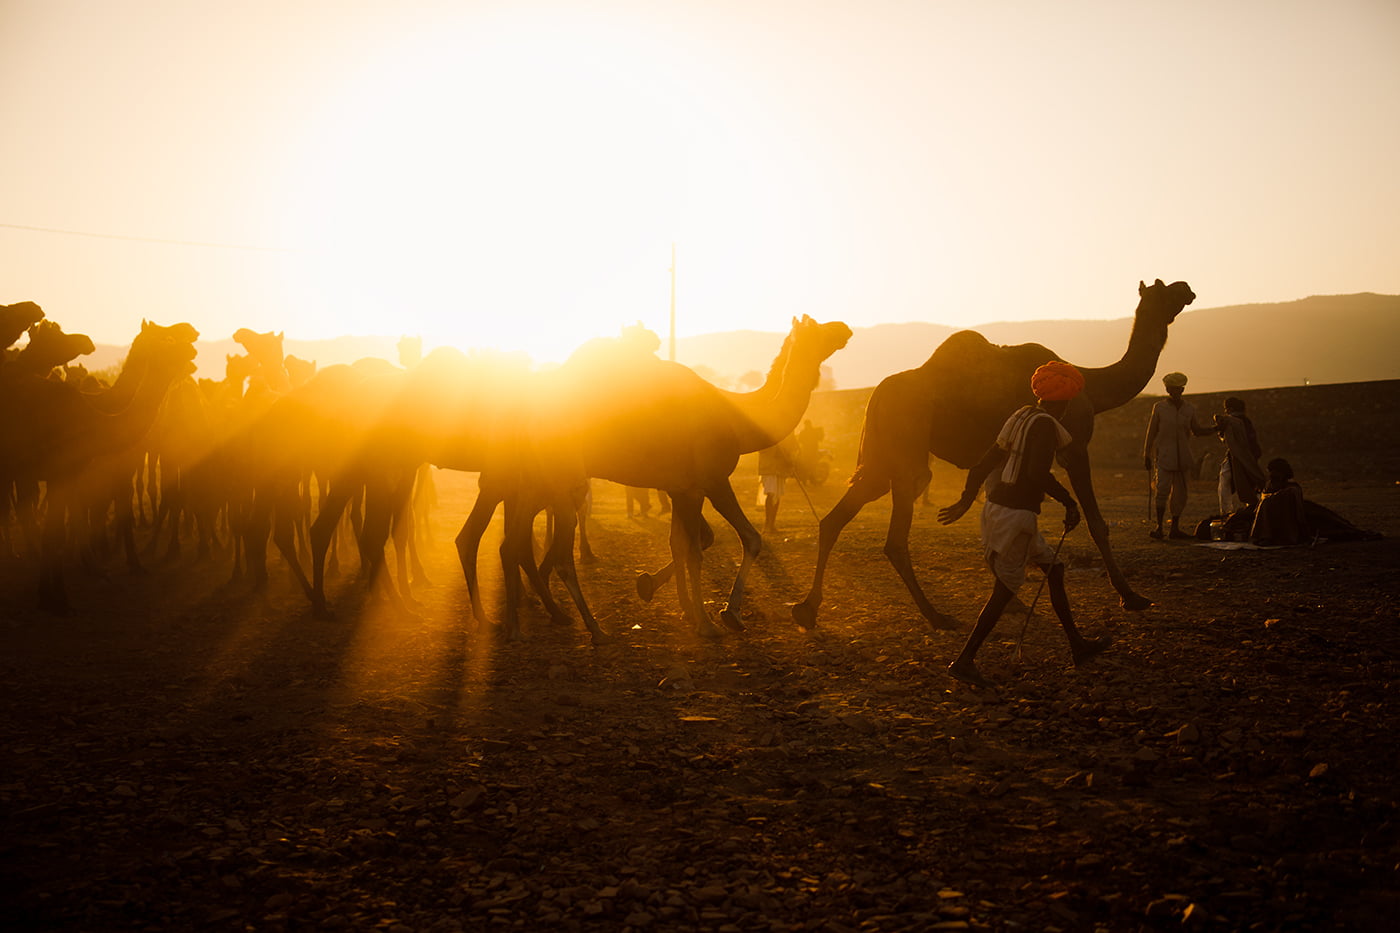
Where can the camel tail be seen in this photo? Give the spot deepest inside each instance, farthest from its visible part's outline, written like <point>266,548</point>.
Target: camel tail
<point>860,456</point>
<point>871,460</point>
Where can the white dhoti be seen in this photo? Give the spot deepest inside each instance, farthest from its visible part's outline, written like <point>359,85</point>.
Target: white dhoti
<point>1225,488</point>
<point>1011,540</point>
<point>770,486</point>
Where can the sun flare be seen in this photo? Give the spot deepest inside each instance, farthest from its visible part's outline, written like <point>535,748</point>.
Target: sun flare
<point>517,187</point>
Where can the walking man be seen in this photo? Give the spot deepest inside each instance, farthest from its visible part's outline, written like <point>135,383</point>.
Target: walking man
<point>1023,453</point>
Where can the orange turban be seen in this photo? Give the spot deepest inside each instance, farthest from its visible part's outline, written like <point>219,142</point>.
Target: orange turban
<point>1057,381</point>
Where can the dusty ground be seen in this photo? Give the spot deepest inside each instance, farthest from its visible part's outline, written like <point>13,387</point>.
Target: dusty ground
<point>184,755</point>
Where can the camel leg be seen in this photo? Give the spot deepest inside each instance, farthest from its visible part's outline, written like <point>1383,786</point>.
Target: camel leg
<point>257,526</point>
<point>468,543</point>
<point>241,532</point>
<point>381,503</point>
<point>174,491</point>
<point>405,551</point>
<point>538,573</point>
<point>546,564</point>
<point>27,509</point>
<point>517,541</point>
<point>686,557</point>
<point>585,511</point>
<point>727,504</point>
<point>204,518</point>
<point>126,527</point>
<point>162,512</point>
<point>1076,463</point>
<point>323,531</point>
<point>420,574</point>
<point>424,498</point>
<point>284,536</point>
<point>648,583</point>
<point>902,495</point>
<point>857,496</point>
<point>53,595</point>
<point>562,559</point>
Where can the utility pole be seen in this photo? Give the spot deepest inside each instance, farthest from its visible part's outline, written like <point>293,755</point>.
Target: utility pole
<point>671,355</point>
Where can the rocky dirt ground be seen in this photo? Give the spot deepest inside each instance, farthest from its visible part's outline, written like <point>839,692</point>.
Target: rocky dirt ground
<point>184,754</point>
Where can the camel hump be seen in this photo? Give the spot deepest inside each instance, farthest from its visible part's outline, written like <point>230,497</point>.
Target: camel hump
<point>606,353</point>
<point>967,358</point>
<point>24,309</point>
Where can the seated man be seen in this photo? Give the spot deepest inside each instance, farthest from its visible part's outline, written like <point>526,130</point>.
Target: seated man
<point>1280,517</point>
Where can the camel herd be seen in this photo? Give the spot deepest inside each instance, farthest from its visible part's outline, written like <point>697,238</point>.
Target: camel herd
<point>243,454</point>
<point>281,451</point>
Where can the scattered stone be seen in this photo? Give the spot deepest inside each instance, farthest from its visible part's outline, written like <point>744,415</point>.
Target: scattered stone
<point>1188,734</point>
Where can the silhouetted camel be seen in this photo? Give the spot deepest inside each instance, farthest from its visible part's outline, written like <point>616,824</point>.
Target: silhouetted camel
<point>339,426</point>
<point>318,427</point>
<point>953,406</point>
<point>83,446</point>
<point>17,318</point>
<point>266,351</point>
<point>488,415</point>
<point>48,348</point>
<point>658,424</point>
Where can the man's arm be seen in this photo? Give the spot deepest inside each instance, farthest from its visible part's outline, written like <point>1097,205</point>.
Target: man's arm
<point>993,458</point>
<point>1040,458</point>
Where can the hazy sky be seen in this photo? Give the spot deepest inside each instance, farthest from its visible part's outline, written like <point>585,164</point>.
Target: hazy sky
<point>513,174</point>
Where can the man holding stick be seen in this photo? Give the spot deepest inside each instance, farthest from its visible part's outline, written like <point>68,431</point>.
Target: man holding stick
<point>1024,451</point>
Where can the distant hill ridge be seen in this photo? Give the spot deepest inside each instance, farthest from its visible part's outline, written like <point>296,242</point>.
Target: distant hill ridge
<point>1323,339</point>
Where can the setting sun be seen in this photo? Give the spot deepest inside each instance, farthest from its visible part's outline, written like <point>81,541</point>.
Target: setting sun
<point>520,189</point>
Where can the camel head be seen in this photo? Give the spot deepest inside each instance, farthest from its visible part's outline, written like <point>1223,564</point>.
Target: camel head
<point>817,340</point>
<point>170,348</point>
<point>175,357</point>
<point>410,351</point>
<point>181,333</point>
<point>15,319</point>
<point>265,348</point>
<point>300,371</point>
<point>49,346</point>
<point>237,368</point>
<point>640,338</point>
<point>1164,301</point>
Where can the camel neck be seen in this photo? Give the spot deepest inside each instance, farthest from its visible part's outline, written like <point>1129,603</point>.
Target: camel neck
<point>132,423</point>
<point>1118,383</point>
<point>123,389</point>
<point>770,412</point>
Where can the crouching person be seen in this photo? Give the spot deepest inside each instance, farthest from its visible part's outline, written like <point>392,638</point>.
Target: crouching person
<point>1024,452</point>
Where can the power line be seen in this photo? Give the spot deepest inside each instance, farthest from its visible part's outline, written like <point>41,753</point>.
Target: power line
<point>146,239</point>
